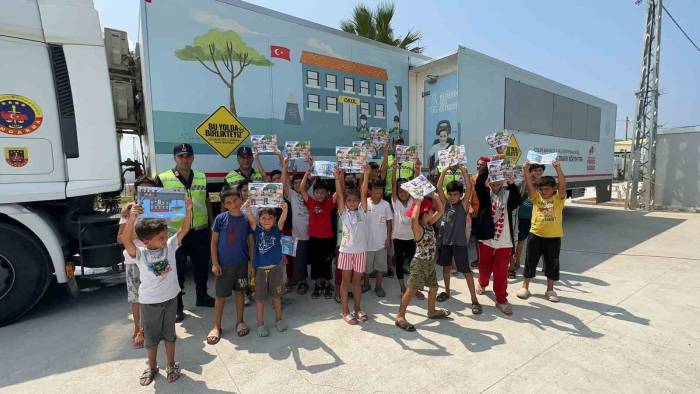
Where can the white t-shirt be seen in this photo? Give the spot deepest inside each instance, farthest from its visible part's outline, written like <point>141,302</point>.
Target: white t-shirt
<point>300,216</point>
<point>377,215</point>
<point>354,237</point>
<point>158,272</point>
<point>402,224</point>
<point>501,223</point>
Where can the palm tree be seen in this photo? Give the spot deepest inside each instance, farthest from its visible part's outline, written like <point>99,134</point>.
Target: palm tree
<point>376,25</point>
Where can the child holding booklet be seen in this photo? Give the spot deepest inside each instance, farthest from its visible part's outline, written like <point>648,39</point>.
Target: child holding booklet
<point>546,229</point>
<point>352,256</point>
<point>423,217</point>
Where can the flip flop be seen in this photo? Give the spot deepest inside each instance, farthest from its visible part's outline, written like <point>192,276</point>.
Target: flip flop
<point>441,314</point>
<point>214,339</point>
<point>404,325</point>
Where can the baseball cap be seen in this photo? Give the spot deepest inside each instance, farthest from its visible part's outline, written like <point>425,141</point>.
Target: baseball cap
<point>244,151</point>
<point>183,149</point>
<point>425,206</point>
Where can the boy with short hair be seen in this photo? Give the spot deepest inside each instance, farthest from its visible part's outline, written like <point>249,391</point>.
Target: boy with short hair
<point>230,244</point>
<point>546,230</point>
<point>159,285</point>
<point>300,226</point>
<point>267,262</point>
<point>524,217</point>
<point>495,234</point>
<point>321,237</point>
<point>453,234</point>
<point>379,219</point>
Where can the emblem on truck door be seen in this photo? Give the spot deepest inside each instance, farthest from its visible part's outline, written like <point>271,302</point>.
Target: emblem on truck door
<point>16,157</point>
<point>19,115</point>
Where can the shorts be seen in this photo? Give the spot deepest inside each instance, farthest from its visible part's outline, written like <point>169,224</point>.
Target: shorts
<point>233,278</point>
<point>422,274</point>
<point>158,321</point>
<point>376,261</point>
<point>548,249</point>
<point>352,261</point>
<point>523,229</point>
<point>268,282</point>
<point>460,255</point>
<point>404,251</point>
<point>133,281</point>
<point>321,252</point>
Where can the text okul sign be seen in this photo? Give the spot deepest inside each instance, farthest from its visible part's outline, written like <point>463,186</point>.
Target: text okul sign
<point>223,131</point>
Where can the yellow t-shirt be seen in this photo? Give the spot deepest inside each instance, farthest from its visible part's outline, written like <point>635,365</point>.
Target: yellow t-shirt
<point>546,216</point>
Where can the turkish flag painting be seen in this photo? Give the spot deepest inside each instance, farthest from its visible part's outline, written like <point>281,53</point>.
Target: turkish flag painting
<point>280,52</point>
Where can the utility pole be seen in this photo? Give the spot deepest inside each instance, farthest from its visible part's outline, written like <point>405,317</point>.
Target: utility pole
<point>640,188</point>
<point>626,156</point>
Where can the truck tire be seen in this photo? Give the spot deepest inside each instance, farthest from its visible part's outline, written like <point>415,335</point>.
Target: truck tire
<point>24,272</point>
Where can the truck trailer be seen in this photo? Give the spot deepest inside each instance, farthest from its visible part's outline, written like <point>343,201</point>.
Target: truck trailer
<point>210,73</point>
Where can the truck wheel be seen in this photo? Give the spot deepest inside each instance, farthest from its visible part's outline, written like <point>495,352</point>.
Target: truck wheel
<point>24,272</point>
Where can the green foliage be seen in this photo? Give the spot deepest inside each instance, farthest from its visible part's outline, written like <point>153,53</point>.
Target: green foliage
<point>221,40</point>
<point>376,25</point>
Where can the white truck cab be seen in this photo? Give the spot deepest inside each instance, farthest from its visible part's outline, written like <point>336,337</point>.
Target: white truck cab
<point>59,147</point>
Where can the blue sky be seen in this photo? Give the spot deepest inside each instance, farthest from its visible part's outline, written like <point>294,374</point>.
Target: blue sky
<point>594,46</point>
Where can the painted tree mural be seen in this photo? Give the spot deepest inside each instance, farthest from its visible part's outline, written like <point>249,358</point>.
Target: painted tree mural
<point>228,48</point>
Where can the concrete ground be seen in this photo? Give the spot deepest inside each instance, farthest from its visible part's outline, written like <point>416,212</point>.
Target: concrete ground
<point>627,322</point>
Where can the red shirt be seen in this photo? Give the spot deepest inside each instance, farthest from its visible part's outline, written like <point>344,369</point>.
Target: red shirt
<point>320,225</point>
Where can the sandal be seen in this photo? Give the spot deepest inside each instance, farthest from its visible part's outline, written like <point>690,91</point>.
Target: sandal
<point>137,339</point>
<point>476,309</point>
<point>442,297</point>
<point>350,319</point>
<point>242,329</point>
<point>505,308</point>
<point>404,325</point>
<point>419,295</point>
<point>338,299</point>
<point>441,314</point>
<point>361,316</point>
<point>147,376</point>
<point>213,339</point>
<point>262,331</point>
<point>173,373</point>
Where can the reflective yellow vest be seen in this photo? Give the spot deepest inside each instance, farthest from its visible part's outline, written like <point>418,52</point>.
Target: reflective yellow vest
<point>452,176</point>
<point>234,177</point>
<point>405,172</point>
<point>197,192</point>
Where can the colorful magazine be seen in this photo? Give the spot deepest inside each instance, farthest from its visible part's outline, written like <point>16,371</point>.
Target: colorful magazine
<point>498,139</point>
<point>264,143</point>
<point>369,147</point>
<point>297,149</point>
<point>379,137</point>
<point>289,245</point>
<point>351,159</point>
<point>323,169</point>
<point>406,154</point>
<point>452,156</point>
<point>499,170</point>
<point>161,203</point>
<point>265,195</point>
<point>418,187</point>
<point>540,158</point>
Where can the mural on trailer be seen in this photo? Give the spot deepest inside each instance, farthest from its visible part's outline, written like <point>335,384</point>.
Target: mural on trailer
<point>273,75</point>
<point>441,128</point>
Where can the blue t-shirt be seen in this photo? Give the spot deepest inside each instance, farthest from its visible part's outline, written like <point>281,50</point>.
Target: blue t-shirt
<point>233,238</point>
<point>268,248</point>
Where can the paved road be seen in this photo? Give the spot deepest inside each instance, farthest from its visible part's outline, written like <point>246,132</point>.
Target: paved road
<point>627,322</point>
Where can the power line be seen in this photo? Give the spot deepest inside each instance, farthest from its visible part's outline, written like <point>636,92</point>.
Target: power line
<point>680,28</point>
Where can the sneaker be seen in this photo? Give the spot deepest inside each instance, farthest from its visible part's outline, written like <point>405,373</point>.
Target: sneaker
<point>262,331</point>
<point>328,292</point>
<point>317,292</point>
<point>551,296</point>
<point>205,300</point>
<point>475,264</point>
<point>443,296</point>
<point>523,293</point>
<point>281,326</point>
<point>246,300</point>
<point>390,274</point>
<point>511,275</point>
<point>380,292</point>
<point>366,288</point>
